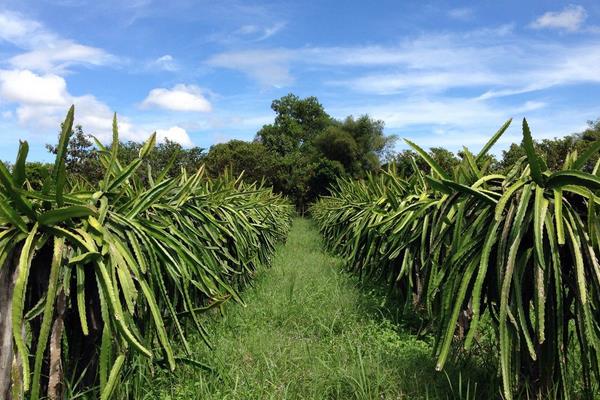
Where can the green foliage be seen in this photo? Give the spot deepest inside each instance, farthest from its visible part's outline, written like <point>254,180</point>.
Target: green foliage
<point>337,144</point>
<point>309,332</point>
<point>555,151</point>
<point>37,173</point>
<point>358,144</point>
<point>406,159</point>
<point>304,150</point>
<point>465,244</point>
<point>80,159</point>
<point>166,155</point>
<point>105,281</point>
<point>297,122</point>
<point>248,158</point>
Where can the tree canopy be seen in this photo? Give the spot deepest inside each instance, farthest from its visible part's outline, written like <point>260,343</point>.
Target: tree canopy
<point>305,149</point>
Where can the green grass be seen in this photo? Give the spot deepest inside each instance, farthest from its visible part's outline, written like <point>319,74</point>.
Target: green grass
<point>309,332</point>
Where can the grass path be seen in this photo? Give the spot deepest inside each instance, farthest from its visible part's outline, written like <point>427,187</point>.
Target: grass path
<point>307,332</point>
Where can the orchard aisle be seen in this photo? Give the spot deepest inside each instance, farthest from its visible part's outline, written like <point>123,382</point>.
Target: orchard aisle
<point>307,332</point>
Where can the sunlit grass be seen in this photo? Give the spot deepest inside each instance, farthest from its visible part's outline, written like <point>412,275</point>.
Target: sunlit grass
<point>309,332</point>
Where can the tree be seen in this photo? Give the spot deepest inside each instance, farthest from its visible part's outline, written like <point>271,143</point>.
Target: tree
<point>337,144</point>
<point>445,158</point>
<point>587,138</point>
<point>325,173</point>
<point>311,149</point>
<point>297,122</point>
<point>238,156</point>
<point>167,153</point>
<point>290,142</point>
<point>37,173</point>
<point>81,158</point>
<point>373,145</point>
<point>404,162</point>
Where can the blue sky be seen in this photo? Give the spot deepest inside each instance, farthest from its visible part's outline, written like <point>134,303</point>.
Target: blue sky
<point>442,73</point>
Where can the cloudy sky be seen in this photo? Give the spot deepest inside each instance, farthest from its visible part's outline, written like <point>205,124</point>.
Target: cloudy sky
<point>443,73</point>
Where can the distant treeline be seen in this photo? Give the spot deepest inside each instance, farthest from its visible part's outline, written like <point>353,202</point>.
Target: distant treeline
<point>303,151</point>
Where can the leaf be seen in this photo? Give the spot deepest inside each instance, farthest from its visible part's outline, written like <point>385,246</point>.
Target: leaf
<point>591,151</point>
<point>168,166</point>
<point>470,191</point>
<point>18,303</point>
<point>148,146</point>
<point>572,177</point>
<point>11,215</point>
<point>489,243</point>
<point>19,169</point>
<point>558,216</point>
<point>81,306</point>
<point>124,175</point>
<point>114,151</point>
<point>438,185</point>
<point>539,216</point>
<point>112,378</point>
<point>44,332</point>
<point>105,355</point>
<point>493,141</point>
<point>63,214</point>
<point>532,158</point>
<point>451,324</point>
<point>85,258</point>
<point>20,203</point>
<point>59,173</point>
<point>434,165</point>
<point>505,198</point>
<point>517,232</point>
<point>115,307</point>
<point>158,323</point>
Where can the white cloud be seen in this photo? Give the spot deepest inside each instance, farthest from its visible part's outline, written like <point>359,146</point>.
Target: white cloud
<point>174,134</point>
<point>18,30</point>
<point>570,19</point>
<point>45,50</point>
<point>443,112</point>
<point>96,118</point>
<point>547,66</point>
<point>180,98</point>
<point>453,122</point>
<point>247,30</point>
<point>433,81</point>
<point>259,33</point>
<point>463,14</point>
<point>248,33</point>
<point>61,55</point>
<point>165,63</point>
<point>495,61</point>
<point>42,102</point>
<point>272,67</point>
<point>268,67</point>
<point>24,86</point>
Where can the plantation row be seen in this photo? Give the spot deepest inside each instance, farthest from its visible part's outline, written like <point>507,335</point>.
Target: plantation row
<point>99,281</point>
<point>517,252</point>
